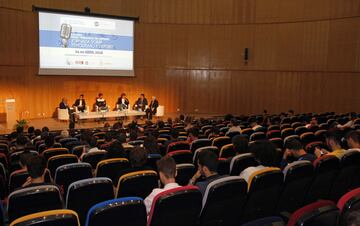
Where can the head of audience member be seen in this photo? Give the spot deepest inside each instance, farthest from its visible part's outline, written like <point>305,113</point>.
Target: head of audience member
<point>93,142</point>
<point>133,135</point>
<point>291,112</point>
<point>45,129</point>
<point>36,168</point>
<point>116,150</point>
<point>49,141</point>
<point>64,133</point>
<point>155,133</point>
<point>167,170</point>
<point>142,96</point>
<point>169,121</point>
<point>19,130</point>
<point>353,139</point>
<point>240,144</point>
<point>333,139</point>
<point>207,163</point>
<point>234,122</point>
<point>138,157</point>
<point>100,96</point>
<point>182,117</point>
<point>313,121</point>
<point>295,147</point>
<point>160,124</point>
<point>265,153</point>
<point>24,157</point>
<point>253,122</point>
<point>21,141</point>
<point>121,138</point>
<point>108,137</point>
<point>118,125</point>
<point>31,130</point>
<point>174,134</point>
<point>37,132</point>
<point>194,133</point>
<point>150,145</point>
<point>107,125</point>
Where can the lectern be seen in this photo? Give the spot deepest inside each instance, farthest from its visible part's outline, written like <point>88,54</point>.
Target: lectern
<point>10,112</point>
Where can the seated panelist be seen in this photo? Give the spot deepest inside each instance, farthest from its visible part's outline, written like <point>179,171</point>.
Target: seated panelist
<point>101,103</point>
<point>141,103</point>
<point>80,103</point>
<point>63,104</point>
<point>154,104</point>
<point>122,103</point>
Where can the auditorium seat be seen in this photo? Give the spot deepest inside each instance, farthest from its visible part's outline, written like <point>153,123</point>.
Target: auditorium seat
<point>197,152</point>
<point>67,140</point>
<point>196,144</point>
<point>179,145</point>
<point>273,134</point>
<point>83,194</point>
<point>99,135</point>
<point>219,142</point>
<point>307,138</point>
<point>33,199</point>
<point>232,134</point>
<point>274,127</point>
<point>227,151</point>
<point>278,142</point>
<point>320,213</point>
<point>180,206</point>
<point>347,203</point>
<point>223,166</point>
<point>320,135</point>
<point>296,125</point>
<point>152,159</point>
<point>54,162</point>
<point>48,153</point>
<point>247,132</point>
<point>19,177</point>
<point>348,174</point>
<point>3,182</point>
<point>182,156</point>
<point>223,201</point>
<point>69,173</point>
<point>185,172</point>
<point>4,148</point>
<point>4,160</point>
<point>223,130</point>
<point>326,169</point>
<point>287,132</point>
<point>136,142</point>
<point>60,217</point>
<point>310,147</point>
<point>139,184</point>
<point>111,167</point>
<point>93,158</point>
<point>297,178</point>
<point>78,150</point>
<point>284,125</point>
<point>129,211</point>
<point>240,162</point>
<point>257,136</point>
<point>266,221</point>
<point>264,187</point>
<point>301,130</point>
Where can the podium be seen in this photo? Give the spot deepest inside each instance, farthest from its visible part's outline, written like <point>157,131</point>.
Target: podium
<point>10,112</point>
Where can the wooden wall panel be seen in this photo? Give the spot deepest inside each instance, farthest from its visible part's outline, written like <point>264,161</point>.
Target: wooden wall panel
<point>304,55</point>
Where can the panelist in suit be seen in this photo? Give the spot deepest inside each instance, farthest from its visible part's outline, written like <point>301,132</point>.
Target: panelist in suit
<point>101,103</point>
<point>141,103</point>
<point>154,104</point>
<point>80,103</point>
<point>63,104</point>
<point>122,103</point>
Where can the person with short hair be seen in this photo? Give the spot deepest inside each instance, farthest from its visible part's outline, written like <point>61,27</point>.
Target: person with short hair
<point>141,103</point>
<point>333,141</point>
<point>63,104</point>
<point>167,173</point>
<point>235,126</point>
<point>138,161</point>
<point>122,102</point>
<point>116,150</point>
<point>36,166</point>
<point>151,145</point>
<point>193,135</point>
<point>293,147</point>
<point>80,103</point>
<point>353,139</point>
<point>174,137</point>
<point>207,167</point>
<point>101,103</point>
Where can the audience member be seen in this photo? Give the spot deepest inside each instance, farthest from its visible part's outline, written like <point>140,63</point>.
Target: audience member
<point>353,139</point>
<point>36,166</point>
<point>151,146</point>
<point>167,172</point>
<point>240,143</point>
<point>116,150</point>
<point>174,134</point>
<point>193,134</point>
<point>333,141</point>
<point>207,167</point>
<point>234,126</point>
<point>138,160</point>
<point>294,148</point>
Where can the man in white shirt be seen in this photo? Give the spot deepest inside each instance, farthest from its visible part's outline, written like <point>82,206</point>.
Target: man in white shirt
<point>167,172</point>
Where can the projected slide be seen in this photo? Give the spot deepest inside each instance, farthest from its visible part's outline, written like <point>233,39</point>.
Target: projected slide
<point>84,45</point>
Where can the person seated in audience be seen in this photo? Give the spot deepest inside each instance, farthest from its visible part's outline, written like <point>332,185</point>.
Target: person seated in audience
<point>122,103</point>
<point>353,218</point>
<point>20,143</point>
<point>141,103</point>
<point>49,141</point>
<point>122,139</point>
<point>240,143</point>
<point>138,160</point>
<point>294,148</point>
<point>24,157</point>
<point>36,166</point>
<point>101,103</point>
<point>215,132</point>
<point>312,123</point>
<point>167,172</point>
<point>234,126</point>
<point>30,132</point>
<point>116,150</point>
<point>353,139</point>
<point>291,113</point>
<point>182,118</point>
<point>154,104</point>
<point>350,124</point>
<point>92,142</point>
<point>207,167</point>
<point>193,135</point>
<point>133,135</point>
<point>265,154</point>
<point>63,104</point>
<point>37,136</point>
<point>64,134</point>
<point>254,124</point>
<point>80,103</point>
<point>333,141</point>
<point>174,137</point>
<point>151,146</point>
<point>187,123</point>
<point>108,141</point>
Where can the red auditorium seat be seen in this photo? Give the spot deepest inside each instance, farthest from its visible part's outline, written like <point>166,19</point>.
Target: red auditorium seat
<point>179,145</point>
<point>347,203</point>
<point>181,156</point>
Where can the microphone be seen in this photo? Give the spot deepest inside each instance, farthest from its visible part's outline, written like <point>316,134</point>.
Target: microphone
<point>65,34</point>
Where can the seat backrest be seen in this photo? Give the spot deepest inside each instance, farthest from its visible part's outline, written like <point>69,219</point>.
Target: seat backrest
<point>227,151</point>
<point>129,211</point>
<point>60,217</point>
<point>69,173</point>
<point>347,203</point>
<point>33,199</point>
<point>83,194</point>
<point>257,136</point>
<point>266,221</point>
<point>240,162</point>
<point>93,158</point>
<point>297,178</point>
<point>182,156</point>
<point>111,167</point>
<point>152,159</point>
<point>260,184</point>
<point>320,213</point>
<point>197,152</point>
<point>223,200</point>
<point>59,160</point>
<point>219,142</point>
<point>180,206</point>
<point>48,153</point>
<point>184,173</point>
<point>139,183</point>
<point>179,145</point>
